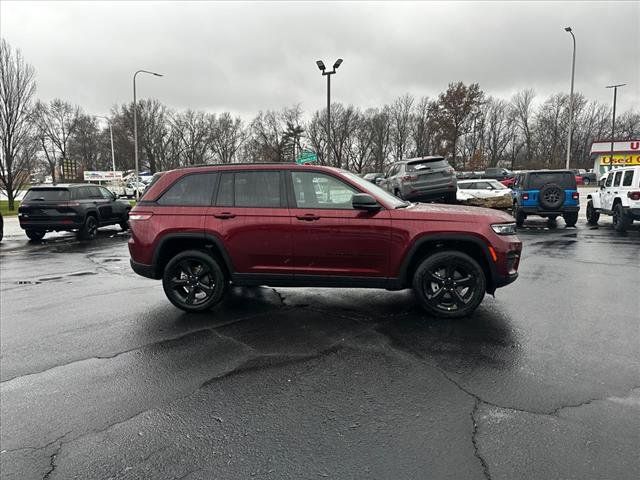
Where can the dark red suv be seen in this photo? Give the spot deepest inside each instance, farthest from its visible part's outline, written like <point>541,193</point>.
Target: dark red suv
<point>201,229</point>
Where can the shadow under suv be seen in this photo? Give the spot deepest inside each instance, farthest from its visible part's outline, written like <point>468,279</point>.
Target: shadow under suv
<point>421,179</point>
<point>202,229</point>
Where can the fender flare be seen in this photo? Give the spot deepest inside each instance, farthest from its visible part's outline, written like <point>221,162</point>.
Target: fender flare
<point>212,240</point>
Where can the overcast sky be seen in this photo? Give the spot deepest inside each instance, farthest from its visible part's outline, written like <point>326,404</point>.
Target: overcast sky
<point>246,57</point>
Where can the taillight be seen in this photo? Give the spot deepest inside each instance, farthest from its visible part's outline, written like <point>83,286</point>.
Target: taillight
<point>633,195</point>
<point>140,216</point>
<point>525,196</point>
<point>409,178</point>
<point>575,195</point>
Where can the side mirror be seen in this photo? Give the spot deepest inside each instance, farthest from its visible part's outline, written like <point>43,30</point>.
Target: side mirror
<point>364,201</point>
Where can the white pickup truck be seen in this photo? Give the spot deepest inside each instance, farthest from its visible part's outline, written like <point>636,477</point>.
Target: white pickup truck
<point>618,195</point>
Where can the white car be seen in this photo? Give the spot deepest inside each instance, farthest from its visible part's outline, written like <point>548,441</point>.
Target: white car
<point>619,196</point>
<point>130,189</point>
<point>482,189</point>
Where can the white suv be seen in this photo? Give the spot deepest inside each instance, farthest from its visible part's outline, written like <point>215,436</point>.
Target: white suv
<point>619,196</point>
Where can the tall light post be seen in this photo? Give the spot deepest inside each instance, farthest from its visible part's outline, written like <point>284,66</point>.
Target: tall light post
<point>613,120</point>
<point>113,156</point>
<point>135,123</point>
<point>322,68</point>
<point>573,70</point>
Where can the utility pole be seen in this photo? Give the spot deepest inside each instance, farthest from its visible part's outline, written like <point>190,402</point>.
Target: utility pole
<point>573,70</point>
<point>322,68</point>
<point>613,120</point>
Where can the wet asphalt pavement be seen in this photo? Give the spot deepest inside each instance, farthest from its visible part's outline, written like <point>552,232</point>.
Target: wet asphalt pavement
<point>103,378</point>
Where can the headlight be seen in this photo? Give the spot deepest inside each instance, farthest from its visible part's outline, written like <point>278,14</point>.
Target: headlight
<point>504,228</point>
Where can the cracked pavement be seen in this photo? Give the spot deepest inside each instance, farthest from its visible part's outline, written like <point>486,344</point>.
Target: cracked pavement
<point>101,377</point>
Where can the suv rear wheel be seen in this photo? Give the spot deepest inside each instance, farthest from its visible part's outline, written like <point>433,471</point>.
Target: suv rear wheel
<point>35,235</point>
<point>90,228</point>
<point>449,284</point>
<point>620,220</point>
<point>193,281</point>
<point>570,219</point>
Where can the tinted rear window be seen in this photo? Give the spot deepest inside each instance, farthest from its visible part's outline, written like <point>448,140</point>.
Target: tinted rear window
<point>190,190</point>
<point>563,179</point>
<point>426,165</point>
<point>47,195</point>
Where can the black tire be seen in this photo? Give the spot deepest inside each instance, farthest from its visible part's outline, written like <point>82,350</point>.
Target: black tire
<point>193,281</point>
<point>519,215</point>
<point>90,228</point>
<point>621,221</point>
<point>35,235</point>
<point>592,215</point>
<point>449,284</point>
<point>552,222</point>
<point>124,222</point>
<point>551,196</point>
<point>450,198</point>
<point>570,219</point>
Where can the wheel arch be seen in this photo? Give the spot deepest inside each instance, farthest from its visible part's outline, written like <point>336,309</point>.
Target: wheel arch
<point>172,244</point>
<point>472,245</point>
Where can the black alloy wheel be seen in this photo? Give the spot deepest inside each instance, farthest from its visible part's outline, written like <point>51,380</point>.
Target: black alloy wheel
<point>90,228</point>
<point>620,220</point>
<point>570,219</point>
<point>35,235</point>
<point>592,215</point>
<point>449,284</point>
<point>193,281</point>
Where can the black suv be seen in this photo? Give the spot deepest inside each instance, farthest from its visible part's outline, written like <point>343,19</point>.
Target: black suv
<point>546,193</point>
<point>78,207</point>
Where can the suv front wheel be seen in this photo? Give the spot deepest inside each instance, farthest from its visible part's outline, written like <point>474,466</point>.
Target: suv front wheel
<point>449,284</point>
<point>193,281</point>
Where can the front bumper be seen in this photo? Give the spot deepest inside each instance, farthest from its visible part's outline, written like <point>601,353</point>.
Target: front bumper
<point>143,270</point>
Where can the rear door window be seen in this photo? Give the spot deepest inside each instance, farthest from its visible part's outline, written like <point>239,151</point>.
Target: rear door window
<point>628,178</point>
<point>47,195</point>
<point>190,190</point>
<point>258,189</point>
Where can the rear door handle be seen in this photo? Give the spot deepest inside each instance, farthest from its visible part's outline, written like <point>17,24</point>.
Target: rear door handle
<point>224,215</point>
<point>309,217</point>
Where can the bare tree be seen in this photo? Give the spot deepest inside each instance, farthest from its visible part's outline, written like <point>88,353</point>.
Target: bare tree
<point>400,113</point>
<point>497,134</point>
<point>523,108</point>
<point>317,134</point>
<point>192,128</point>
<point>57,122</point>
<point>84,145</point>
<point>423,126</point>
<point>344,122</point>
<point>227,135</point>
<point>381,137</point>
<point>361,157</point>
<point>17,88</point>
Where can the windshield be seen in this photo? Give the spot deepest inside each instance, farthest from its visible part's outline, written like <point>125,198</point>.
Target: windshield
<point>497,185</point>
<point>47,195</point>
<point>375,190</point>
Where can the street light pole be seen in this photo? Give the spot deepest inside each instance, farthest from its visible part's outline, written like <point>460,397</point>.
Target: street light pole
<point>573,70</point>
<point>322,68</point>
<point>613,121</point>
<point>135,123</point>
<point>113,156</point>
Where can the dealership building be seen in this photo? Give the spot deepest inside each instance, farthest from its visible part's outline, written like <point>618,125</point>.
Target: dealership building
<point>624,154</point>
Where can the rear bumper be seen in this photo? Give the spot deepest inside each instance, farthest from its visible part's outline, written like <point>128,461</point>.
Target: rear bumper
<point>143,270</point>
<point>634,212</point>
<point>58,226</point>
<point>543,212</point>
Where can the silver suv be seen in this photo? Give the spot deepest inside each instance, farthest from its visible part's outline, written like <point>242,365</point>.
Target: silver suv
<point>419,179</point>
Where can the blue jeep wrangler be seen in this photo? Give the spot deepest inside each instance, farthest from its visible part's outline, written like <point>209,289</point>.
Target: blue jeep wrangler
<point>546,193</point>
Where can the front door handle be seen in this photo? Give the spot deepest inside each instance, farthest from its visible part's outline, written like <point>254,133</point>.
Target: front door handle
<point>224,215</point>
<point>309,217</point>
